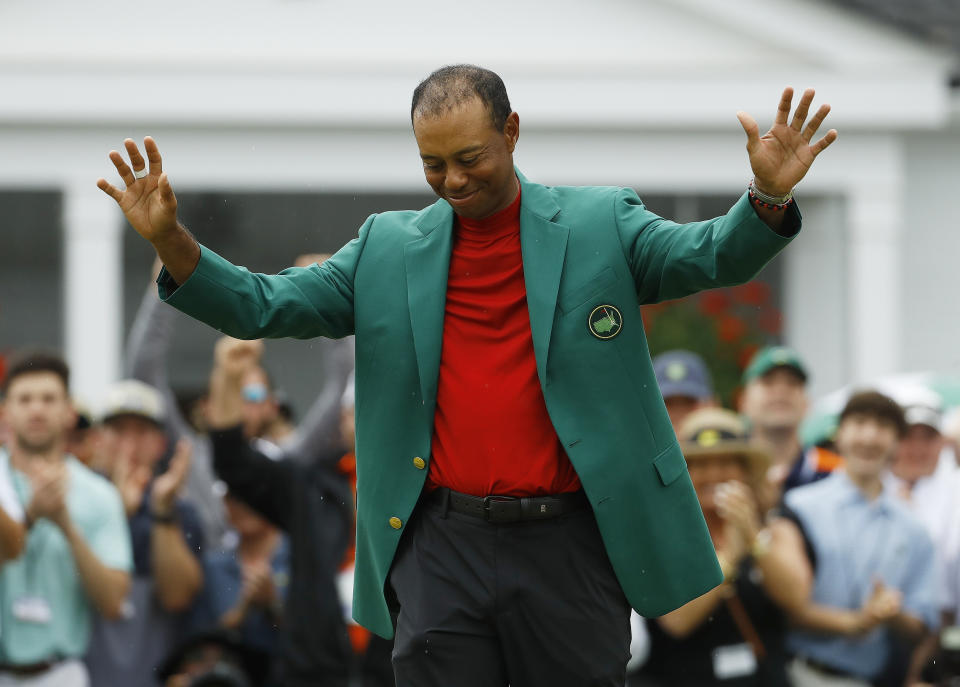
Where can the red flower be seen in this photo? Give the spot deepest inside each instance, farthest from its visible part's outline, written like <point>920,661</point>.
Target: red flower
<point>755,293</point>
<point>731,329</point>
<point>714,302</point>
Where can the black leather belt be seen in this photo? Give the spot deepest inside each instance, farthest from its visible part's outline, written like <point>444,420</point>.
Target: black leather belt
<point>27,669</point>
<point>507,509</point>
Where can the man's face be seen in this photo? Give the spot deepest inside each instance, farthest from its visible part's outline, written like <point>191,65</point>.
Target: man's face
<point>38,411</point>
<point>259,406</point>
<point>136,438</point>
<point>918,453</point>
<point>867,444</point>
<point>776,400</point>
<point>466,160</point>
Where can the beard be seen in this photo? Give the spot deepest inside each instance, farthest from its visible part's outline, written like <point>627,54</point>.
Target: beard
<point>37,444</point>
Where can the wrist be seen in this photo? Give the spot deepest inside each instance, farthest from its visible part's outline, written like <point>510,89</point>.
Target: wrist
<point>163,516</point>
<point>858,623</point>
<point>768,199</point>
<point>761,544</point>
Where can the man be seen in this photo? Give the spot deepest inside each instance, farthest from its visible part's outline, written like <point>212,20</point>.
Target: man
<point>77,554</point>
<point>685,384</point>
<point>166,534</point>
<point>500,354</point>
<point>775,402</point>
<point>307,501</point>
<point>873,563</point>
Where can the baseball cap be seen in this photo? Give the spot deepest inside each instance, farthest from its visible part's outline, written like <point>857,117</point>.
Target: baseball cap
<point>772,357</point>
<point>682,373</point>
<point>132,397</point>
<point>921,406</point>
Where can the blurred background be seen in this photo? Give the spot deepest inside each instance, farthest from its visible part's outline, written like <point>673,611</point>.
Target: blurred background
<point>285,123</point>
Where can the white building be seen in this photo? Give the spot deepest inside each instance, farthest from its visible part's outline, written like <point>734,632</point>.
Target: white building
<point>253,98</point>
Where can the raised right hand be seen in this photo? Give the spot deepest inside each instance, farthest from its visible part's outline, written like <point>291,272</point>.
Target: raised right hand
<point>148,203</point>
<point>234,357</point>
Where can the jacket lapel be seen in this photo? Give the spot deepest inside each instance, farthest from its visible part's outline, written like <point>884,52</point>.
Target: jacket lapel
<point>427,262</point>
<point>543,244</point>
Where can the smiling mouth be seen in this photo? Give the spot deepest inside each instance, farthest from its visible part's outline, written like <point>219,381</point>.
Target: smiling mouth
<point>460,198</point>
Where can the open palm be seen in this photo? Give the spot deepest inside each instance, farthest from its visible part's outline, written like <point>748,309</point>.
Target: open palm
<point>147,202</point>
<point>782,156</point>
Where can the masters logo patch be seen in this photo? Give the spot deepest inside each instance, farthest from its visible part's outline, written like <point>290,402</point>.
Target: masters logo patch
<point>605,322</point>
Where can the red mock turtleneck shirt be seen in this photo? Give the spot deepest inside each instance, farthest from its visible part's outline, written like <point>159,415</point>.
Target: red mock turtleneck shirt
<point>492,434</point>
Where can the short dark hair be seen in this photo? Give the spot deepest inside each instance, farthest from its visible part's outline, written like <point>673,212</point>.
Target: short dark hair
<point>33,362</point>
<point>454,84</point>
<point>874,404</point>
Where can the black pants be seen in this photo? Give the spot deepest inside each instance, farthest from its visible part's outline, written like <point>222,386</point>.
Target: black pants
<point>525,604</point>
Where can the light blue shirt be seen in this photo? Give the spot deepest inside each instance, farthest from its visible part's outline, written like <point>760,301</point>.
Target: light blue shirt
<point>856,542</point>
<point>45,574</point>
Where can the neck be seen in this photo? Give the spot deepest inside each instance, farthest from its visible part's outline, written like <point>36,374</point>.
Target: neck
<point>869,485</point>
<point>783,444</point>
<point>258,546</point>
<point>24,459</point>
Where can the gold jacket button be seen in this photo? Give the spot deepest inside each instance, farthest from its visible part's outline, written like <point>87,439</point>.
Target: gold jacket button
<point>396,523</point>
<point>419,463</point>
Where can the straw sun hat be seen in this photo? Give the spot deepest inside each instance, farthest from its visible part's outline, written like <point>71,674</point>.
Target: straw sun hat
<point>709,433</point>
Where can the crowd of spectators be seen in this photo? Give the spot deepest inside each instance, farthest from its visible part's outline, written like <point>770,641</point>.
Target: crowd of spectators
<point>145,545</point>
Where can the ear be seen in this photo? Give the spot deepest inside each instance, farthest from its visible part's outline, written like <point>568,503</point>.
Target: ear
<point>511,131</point>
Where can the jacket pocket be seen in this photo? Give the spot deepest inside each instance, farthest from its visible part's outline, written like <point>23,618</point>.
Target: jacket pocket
<point>575,297</point>
<point>670,464</point>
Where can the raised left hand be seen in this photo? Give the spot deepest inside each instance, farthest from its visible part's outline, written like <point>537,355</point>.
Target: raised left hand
<point>782,156</point>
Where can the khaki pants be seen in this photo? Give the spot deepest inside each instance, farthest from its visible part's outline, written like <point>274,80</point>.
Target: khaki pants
<point>802,674</point>
<point>70,673</point>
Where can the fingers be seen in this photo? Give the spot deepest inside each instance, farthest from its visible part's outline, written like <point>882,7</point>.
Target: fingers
<point>109,189</point>
<point>180,463</point>
<point>122,168</point>
<point>166,192</point>
<point>814,123</point>
<point>153,154</point>
<point>750,128</point>
<point>800,116</point>
<point>822,144</point>
<point>136,159</point>
<point>783,109</point>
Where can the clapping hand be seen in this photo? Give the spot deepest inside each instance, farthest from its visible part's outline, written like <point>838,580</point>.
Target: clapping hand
<point>49,500</point>
<point>129,477</point>
<point>168,485</point>
<point>782,156</point>
<point>738,508</point>
<point>883,606</point>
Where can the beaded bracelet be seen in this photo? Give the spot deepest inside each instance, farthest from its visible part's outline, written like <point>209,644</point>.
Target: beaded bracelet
<point>767,201</point>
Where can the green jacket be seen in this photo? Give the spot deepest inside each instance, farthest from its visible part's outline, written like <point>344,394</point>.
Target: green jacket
<point>582,248</point>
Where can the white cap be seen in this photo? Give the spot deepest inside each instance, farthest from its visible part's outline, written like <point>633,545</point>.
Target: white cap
<point>132,397</point>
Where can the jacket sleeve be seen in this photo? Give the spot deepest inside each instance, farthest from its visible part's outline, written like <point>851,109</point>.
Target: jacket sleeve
<point>670,260</point>
<point>300,302</point>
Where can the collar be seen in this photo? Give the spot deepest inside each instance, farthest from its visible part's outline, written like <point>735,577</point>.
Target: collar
<point>851,494</point>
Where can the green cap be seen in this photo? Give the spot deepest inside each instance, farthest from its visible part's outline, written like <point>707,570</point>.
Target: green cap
<point>772,357</point>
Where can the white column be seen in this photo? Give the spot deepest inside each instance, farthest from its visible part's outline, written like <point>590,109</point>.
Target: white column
<point>875,215</point>
<point>92,283</point>
<point>814,284</point>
